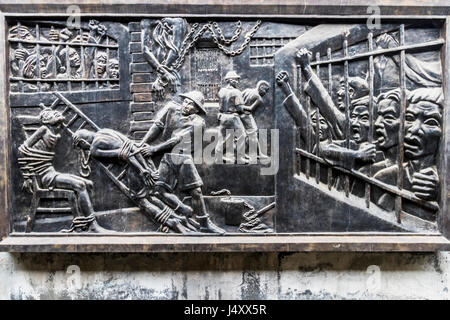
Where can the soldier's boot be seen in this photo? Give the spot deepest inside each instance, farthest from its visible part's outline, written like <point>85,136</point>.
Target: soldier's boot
<point>207,226</point>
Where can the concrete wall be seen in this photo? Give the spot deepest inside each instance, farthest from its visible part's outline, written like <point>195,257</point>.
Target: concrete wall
<point>225,276</point>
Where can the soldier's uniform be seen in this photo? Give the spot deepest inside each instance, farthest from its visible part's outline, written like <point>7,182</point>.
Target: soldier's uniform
<point>177,169</point>
<point>231,102</point>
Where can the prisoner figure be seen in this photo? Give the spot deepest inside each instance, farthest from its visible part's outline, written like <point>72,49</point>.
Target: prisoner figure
<point>36,158</point>
<point>253,98</point>
<point>174,127</point>
<point>422,137</point>
<point>231,105</point>
<point>161,44</point>
<point>109,144</point>
<point>331,146</point>
<point>113,69</point>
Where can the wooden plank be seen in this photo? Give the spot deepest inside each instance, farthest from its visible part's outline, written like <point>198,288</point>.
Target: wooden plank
<point>4,136</point>
<point>148,242</point>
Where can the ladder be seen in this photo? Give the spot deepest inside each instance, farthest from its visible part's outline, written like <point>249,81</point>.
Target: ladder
<point>77,120</point>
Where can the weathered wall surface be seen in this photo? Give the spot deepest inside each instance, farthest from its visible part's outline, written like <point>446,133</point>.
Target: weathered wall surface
<point>225,276</point>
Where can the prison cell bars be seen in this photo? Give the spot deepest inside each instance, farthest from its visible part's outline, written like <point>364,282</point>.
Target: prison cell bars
<point>38,42</point>
<point>21,62</point>
<point>82,57</point>
<point>347,108</point>
<point>400,152</point>
<point>398,190</point>
<point>371,112</point>
<point>317,129</point>
<point>330,92</point>
<point>38,57</point>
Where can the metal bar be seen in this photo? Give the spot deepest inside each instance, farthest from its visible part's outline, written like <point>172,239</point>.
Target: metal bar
<point>401,134</point>
<point>298,132</point>
<point>347,110</point>
<point>38,57</point>
<point>424,46</point>
<point>308,133</point>
<point>95,68</point>
<point>68,71</point>
<point>19,46</point>
<point>317,129</point>
<point>83,67</point>
<point>371,110</point>
<point>107,62</point>
<point>75,44</point>
<point>54,62</point>
<point>330,92</point>
<point>432,205</point>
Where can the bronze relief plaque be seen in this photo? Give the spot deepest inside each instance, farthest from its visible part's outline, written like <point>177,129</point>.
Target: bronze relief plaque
<point>184,132</point>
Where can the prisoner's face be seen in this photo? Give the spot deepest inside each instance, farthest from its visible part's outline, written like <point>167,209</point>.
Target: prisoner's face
<point>359,123</point>
<point>113,70</point>
<point>189,107</point>
<point>324,129</point>
<point>101,64</point>
<point>387,124</point>
<point>26,35</point>
<point>262,90</point>
<point>422,129</point>
<point>341,95</point>
<point>74,58</point>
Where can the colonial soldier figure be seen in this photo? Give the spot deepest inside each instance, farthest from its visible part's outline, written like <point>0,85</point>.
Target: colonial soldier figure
<point>175,126</point>
<point>231,105</point>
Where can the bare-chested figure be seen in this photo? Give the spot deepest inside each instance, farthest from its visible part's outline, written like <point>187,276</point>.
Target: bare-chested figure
<point>36,157</point>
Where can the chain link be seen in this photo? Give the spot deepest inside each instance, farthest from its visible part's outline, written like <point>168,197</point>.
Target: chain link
<point>236,35</point>
<point>186,45</point>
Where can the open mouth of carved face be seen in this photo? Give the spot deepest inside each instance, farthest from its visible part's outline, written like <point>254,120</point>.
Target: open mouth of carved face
<point>356,132</point>
<point>381,134</point>
<point>412,144</point>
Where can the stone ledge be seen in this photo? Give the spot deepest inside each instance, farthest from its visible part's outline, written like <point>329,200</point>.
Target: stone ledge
<point>147,242</point>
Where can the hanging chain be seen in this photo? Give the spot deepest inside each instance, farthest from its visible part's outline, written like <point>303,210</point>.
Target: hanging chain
<point>236,35</point>
<point>186,45</point>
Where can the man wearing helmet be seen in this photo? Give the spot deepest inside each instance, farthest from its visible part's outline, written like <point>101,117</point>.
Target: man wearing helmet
<point>173,131</point>
<point>231,105</point>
